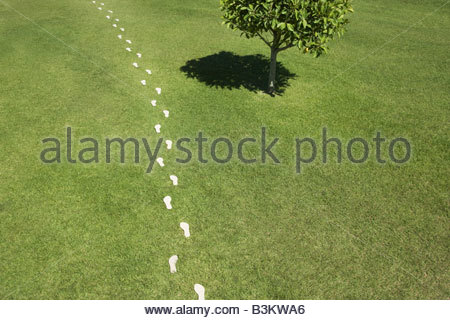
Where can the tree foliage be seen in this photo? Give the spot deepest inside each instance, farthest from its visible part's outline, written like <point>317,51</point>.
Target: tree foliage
<point>282,24</point>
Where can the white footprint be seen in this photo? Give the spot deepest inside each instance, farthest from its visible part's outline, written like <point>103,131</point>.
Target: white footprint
<point>128,49</point>
<point>128,41</point>
<point>144,83</point>
<point>185,227</point>
<point>148,71</point>
<point>166,113</point>
<point>158,90</point>
<point>119,36</point>
<point>172,263</point>
<point>169,144</point>
<point>153,102</point>
<point>167,201</point>
<point>114,25</point>
<point>158,128</point>
<point>139,55</point>
<point>135,65</point>
<point>108,17</point>
<point>200,290</point>
<point>160,161</point>
<point>174,179</point>
<point>122,29</point>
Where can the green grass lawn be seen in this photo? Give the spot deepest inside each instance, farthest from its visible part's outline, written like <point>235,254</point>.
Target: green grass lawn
<point>259,231</point>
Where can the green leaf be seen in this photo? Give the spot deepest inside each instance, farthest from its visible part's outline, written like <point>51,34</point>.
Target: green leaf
<point>281,25</point>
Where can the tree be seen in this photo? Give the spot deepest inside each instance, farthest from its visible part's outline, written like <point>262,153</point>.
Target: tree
<point>282,24</point>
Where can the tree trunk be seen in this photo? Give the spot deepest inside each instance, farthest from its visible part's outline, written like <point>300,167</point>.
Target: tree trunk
<point>273,70</point>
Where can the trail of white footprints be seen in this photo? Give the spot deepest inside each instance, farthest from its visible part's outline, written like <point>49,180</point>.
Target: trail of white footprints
<point>198,288</point>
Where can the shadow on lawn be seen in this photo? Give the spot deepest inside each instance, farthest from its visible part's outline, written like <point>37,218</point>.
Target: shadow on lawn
<point>231,71</point>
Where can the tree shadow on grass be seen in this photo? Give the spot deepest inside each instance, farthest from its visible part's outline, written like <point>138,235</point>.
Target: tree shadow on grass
<point>231,71</point>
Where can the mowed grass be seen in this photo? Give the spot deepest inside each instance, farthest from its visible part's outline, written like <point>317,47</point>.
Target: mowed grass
<point>259,231</point>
